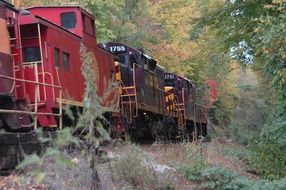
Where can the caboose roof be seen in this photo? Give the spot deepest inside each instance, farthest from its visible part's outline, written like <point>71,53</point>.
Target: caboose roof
<point>30,19</point>
<point>63,7</point>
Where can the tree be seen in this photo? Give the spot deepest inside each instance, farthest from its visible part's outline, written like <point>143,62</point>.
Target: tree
<point>254,33</point>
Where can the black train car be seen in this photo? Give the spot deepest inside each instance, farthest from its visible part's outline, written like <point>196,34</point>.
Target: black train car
<point>192,115</point>
<point>143,96</point>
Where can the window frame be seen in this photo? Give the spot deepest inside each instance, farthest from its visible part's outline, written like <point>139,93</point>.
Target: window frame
<point>75,20</point>
<point>38,56</point>
<point>57,60</point>
<point>66,62</point>
<point>135,61</point>
<point>92,23</point>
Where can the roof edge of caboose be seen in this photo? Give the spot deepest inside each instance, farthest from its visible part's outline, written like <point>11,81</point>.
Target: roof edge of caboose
<point>49,23</point>
<point>55,25</point>
<point>63,6</point>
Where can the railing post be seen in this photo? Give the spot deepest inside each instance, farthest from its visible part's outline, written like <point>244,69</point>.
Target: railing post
<point>36,107</point>
<point>42,60</point>
<point>61,110</point>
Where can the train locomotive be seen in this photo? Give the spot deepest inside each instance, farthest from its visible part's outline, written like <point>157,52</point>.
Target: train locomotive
<point>157,103</point>
<point>40,73</point>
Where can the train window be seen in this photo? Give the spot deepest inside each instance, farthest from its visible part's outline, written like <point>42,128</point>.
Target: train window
<point>145,63</point>
<point>32,54</point>
<point>57,57</point>
<point>170,82</point>
<point>122,59</point>
<point>66,60</point>
<point>132,60</point>
<point>152,64</point>
<point>68,20</point>
<point>88,25</point>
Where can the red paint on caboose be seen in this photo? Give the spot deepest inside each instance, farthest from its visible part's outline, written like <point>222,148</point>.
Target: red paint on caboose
<point>72,18</point>
<point>51,56</point>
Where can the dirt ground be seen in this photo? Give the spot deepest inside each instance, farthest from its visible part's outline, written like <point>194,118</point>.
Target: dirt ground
<point>157,157</point>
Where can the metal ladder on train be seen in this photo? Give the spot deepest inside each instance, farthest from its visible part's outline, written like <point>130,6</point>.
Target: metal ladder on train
<point>181,118</point>
<point>179,109</point>
<point>16,48</point>
<point>128,102</point>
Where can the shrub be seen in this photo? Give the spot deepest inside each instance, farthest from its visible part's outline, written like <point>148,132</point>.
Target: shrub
<point>194,162</point>
<point>221,179</point>
<point>217,178</point>
<point>269,158</point>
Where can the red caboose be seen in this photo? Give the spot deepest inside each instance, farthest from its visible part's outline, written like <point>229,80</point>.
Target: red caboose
<point>48,66</point>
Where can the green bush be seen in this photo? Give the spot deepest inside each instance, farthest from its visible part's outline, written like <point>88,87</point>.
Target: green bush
<point>269,158</point>
<point>221,179</point>
<point>194,161</point>
<point>238,152</point>
<point>192,171</point>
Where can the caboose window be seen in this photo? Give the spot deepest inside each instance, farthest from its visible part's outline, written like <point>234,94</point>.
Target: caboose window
<point>57,57</point>
<point>32,54</point>
<point>88,25</point>
<point>68,20</point>
<point>66,60</point>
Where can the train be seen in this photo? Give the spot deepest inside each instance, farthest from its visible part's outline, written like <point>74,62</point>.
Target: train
<point>40,74</point>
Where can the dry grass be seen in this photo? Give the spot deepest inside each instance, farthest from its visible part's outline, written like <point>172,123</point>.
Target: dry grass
<point>130,166</point>
<point>214,153</point>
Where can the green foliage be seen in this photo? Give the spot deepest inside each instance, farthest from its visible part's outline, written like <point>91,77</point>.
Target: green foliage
<point>238,152</point>
<point>32,159</point>
<point>121,20</point>
<point>65,138</point>
<point>192,171</point>
<point>221,179</point>
<point>254,31</point>
<point>251,107</point>
<point>195,162</point>
<point>270,151</point>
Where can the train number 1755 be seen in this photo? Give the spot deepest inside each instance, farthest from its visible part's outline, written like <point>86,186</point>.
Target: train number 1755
<point>117,48</point>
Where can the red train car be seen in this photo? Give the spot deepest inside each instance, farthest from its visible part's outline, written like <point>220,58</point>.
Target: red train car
<point>47,63</point>
<point>11,109</point>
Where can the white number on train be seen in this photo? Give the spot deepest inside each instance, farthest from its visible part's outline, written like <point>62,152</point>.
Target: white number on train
<point>117,48</point>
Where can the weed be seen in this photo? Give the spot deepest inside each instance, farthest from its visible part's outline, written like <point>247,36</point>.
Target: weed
<point>191,161</point>
<point>131,167</point>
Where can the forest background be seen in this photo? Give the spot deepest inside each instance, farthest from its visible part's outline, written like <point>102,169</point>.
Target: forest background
<point>240,44</point>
